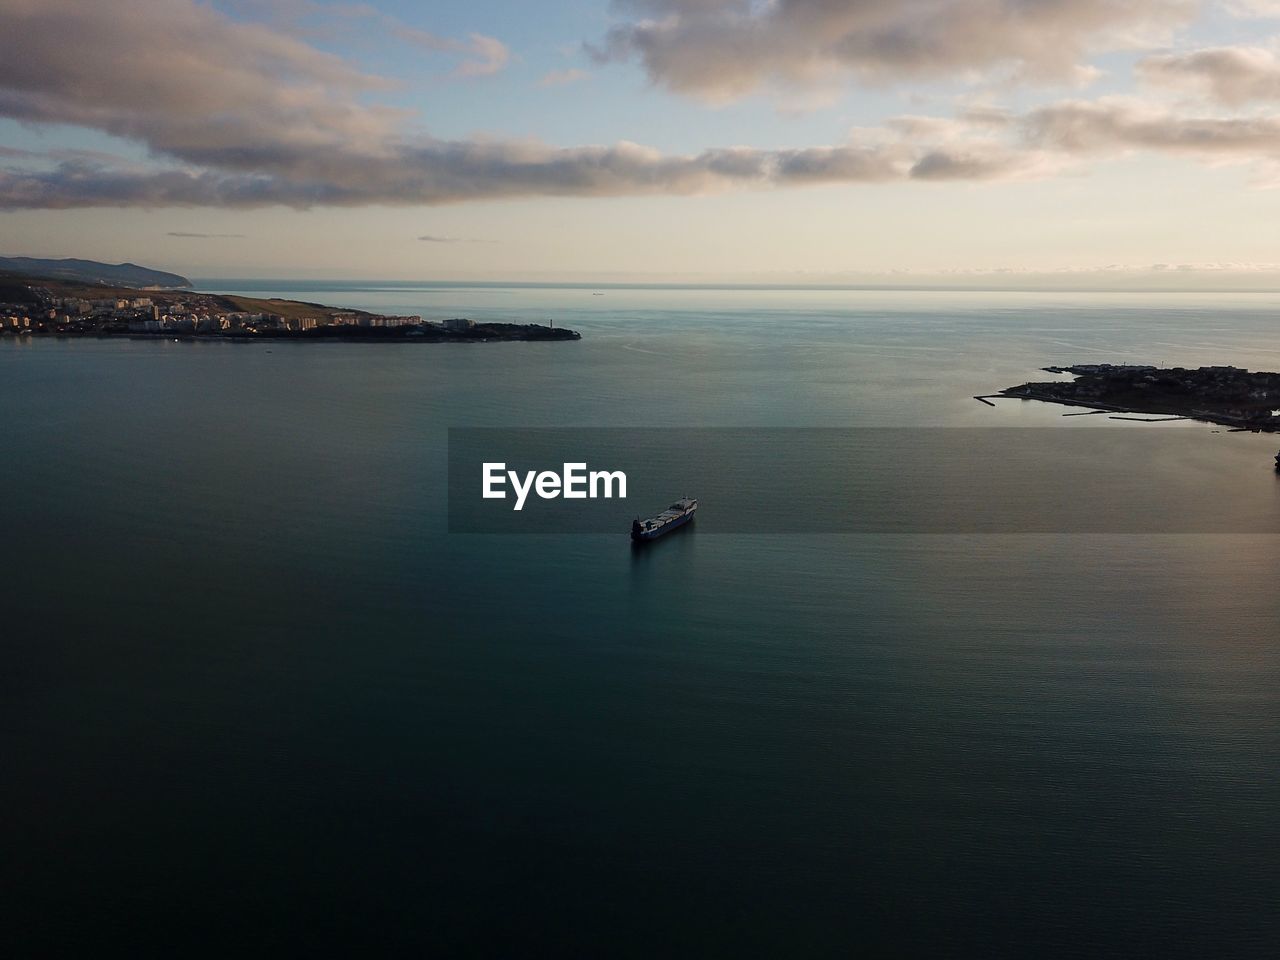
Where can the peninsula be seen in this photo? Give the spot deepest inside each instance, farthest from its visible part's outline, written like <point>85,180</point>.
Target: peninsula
<point>56,306</point>
<point>1231,396</point>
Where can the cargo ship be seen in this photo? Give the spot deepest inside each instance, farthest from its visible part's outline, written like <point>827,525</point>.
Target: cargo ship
<point>675,516</point>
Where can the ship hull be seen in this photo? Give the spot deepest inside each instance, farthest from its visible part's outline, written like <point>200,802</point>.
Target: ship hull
<point>644,536</point>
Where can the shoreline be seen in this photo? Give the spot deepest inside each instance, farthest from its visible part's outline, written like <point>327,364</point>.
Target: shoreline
<point>410,335</point>
<point>47,306</point>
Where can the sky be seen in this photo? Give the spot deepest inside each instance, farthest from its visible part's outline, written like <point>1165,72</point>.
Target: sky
<point>1018,142</point>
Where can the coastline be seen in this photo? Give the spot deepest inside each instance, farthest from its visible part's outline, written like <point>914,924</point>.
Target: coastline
<point>50,306</point>
<point>490,333</point>
<point>1227,396</point>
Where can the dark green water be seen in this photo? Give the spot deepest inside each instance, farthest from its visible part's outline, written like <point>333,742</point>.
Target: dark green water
<point>256,699</point>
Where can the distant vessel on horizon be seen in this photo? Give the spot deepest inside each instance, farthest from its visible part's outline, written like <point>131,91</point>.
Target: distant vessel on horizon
<point>676,515</point>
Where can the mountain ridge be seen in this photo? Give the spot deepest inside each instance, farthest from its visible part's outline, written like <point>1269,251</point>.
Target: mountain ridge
<point>95,272</point>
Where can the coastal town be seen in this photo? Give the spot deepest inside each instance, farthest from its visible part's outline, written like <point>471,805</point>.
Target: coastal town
<point>33,308</point>
<point>191,314</point>
<point>1230,396</point>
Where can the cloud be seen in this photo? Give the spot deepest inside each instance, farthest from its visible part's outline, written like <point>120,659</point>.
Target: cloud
<point>438,172</point>
<point>721,50</point>
<point>491,57</point>
<point>441,172</point>
<point>982,145</point>
<point>482,55</point>
<point>561,78</point>
<point>429,238</point>
<point>485,55</point>
<point>236,114</point>
<point>1254,9</point>
<point>205,236</point>
<point>984,163</point>
<point>1229,75</point>
<point>183,79</point>
<point>1118,124</point>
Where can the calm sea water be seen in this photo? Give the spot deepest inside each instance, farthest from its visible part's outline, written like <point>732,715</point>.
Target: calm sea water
<point>256,699</point>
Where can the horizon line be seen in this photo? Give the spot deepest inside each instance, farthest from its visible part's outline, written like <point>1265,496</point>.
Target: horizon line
<point>747,285</point>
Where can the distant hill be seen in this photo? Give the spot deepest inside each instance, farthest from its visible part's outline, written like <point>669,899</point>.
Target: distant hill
<point>91,271</point>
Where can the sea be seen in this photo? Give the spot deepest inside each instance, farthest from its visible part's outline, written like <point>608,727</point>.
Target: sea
<point>257,698</point>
